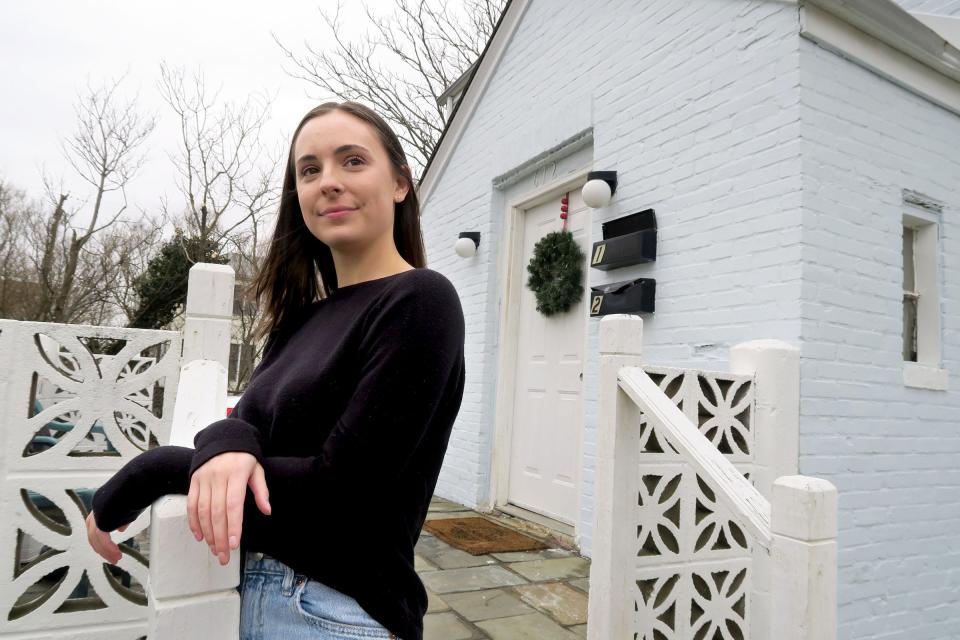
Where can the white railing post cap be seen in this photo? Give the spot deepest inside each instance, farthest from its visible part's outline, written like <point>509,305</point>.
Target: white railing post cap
<point>210,290</point>
<point>621,333</point>
<point>804,508</point>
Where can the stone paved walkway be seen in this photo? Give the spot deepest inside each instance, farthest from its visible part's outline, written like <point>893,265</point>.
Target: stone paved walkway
<point>523,595</point>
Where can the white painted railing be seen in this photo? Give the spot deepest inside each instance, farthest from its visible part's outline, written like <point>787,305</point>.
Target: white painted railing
<point>685,545</point>
<point>55,453</point>
<point>71,414</point>
<point>191,595</point>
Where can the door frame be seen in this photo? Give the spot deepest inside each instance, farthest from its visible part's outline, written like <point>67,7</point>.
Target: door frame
<point>509,264</point>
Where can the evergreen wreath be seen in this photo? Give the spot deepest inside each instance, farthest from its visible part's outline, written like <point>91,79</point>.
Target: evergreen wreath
<point>556,272</point>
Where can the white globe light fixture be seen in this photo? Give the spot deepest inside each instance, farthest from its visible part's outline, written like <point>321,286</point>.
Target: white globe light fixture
<point>467,244</point>
<point>599,188</point>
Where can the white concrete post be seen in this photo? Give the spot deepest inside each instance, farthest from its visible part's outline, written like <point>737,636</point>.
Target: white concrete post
<point>804,554</point>
<point>618,450</point>
<point>201,399</point>
<point>191,595</point>
<point>209,313</point>
<point>775,367</point>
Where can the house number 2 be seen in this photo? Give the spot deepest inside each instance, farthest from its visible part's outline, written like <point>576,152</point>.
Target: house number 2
<point>595,306</point>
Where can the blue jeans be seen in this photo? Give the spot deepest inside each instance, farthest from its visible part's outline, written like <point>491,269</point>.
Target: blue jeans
<point>277,603</point>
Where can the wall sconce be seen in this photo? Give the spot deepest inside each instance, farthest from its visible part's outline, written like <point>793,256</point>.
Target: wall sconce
<point>467,244</point>
<point>600,186</point>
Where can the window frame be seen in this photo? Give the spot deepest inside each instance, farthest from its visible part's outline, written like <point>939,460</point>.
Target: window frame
<point>926,372</point>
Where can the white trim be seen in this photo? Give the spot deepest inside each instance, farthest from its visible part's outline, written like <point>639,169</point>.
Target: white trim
<point>510,262</point>
<point>889,23</point>
<point>948,27</point>
<point>934,60</point>
<point>926,253</point>
<point>895,56</point>
<point>921,207</point>
<point>921,376</point>
<point>471,98</point>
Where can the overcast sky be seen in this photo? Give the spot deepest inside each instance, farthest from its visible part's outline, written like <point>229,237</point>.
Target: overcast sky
<point>49,49</point>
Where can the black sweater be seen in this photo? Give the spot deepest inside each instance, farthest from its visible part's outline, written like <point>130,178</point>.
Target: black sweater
<point>349,411</point>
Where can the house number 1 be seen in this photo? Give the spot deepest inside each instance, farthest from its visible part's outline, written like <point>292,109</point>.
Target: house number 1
<point>598,253</point>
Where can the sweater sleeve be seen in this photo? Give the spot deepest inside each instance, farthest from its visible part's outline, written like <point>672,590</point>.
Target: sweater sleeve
<point>411,357</point>
<point>227,434</point>
<point>167,469</point>
<point>232,433</point>
<point>147,477</point>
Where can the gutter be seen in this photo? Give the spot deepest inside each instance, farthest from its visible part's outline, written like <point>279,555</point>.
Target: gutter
<point>898,28</point>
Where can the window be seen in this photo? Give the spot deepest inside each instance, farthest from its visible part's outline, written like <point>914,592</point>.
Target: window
<point>234,363</point>
<point>240,363</point>
<point>242,306</point>
<point>909,297</point>
<point>921,297</point>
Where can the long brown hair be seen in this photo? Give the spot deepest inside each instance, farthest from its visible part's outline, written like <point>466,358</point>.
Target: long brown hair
<point>286,282</point>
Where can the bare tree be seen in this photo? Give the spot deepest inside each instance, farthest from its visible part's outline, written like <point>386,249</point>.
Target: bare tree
<point>18,294</point>
<point>432,48</point>
<point>225,168</point>
<point>226,176</point>
<point>55,266</point>
<point>116,258</point>
<point>105,152</point>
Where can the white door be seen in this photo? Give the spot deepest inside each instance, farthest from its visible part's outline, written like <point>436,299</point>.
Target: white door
<point>548,394</point>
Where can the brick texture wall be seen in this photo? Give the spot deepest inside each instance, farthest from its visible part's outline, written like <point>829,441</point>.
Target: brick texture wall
<point>696,106</point>
<point>776,171</point>
<point>893,452</point>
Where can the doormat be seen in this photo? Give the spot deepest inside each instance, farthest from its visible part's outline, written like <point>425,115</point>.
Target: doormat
<point>478,536</point>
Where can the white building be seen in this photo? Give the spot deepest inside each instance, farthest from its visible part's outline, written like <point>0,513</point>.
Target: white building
<point>803,161</point>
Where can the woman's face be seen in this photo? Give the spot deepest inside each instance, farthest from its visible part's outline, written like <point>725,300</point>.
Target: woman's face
<point>339,162</point>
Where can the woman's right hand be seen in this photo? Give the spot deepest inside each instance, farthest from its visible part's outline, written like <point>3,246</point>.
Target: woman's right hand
<point>101,541</point>
<point>218,489</point>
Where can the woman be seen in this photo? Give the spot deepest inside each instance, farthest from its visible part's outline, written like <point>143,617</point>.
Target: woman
<point>322,475</point>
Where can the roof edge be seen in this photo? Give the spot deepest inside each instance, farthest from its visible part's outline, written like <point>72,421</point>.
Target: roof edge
<point>476,83</point>
<point>895,26</point>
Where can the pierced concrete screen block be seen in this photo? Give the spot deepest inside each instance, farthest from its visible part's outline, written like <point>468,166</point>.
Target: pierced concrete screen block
<point>706,601</point>
<point>720,404</point>
<point>692,573</point>
<point>76,403</point>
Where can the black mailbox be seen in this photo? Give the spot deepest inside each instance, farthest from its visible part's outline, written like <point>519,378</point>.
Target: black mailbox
<point>628,296</point>
<point>628,240</point>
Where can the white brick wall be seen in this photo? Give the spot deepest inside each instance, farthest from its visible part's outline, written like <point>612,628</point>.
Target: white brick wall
<point>892,452</point>
<point>695,105</point>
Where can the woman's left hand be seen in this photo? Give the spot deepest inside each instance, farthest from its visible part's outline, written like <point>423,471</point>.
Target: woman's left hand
<point>101,541</point>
